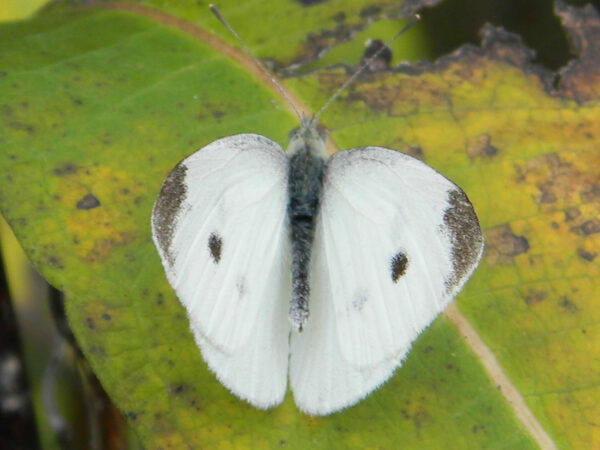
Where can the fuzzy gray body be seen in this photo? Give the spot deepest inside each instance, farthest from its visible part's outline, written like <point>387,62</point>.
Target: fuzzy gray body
<point>305,183</point>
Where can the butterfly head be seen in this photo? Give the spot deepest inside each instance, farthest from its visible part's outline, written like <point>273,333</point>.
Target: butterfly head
<point>308,138</point>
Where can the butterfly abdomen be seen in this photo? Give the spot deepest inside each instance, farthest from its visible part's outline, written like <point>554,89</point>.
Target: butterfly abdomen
<point>305,182</point>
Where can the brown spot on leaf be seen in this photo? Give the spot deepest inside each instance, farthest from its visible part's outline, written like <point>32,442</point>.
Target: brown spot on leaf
<point>370,10</point>
<point>195,404</point>
<point>66,169</point>
<point>104,246</point>
<point>591,194</point>
<point>547,197</point>
<point>420,417</point>
<point>572,214</point>
<point>310,2</point>
<point>89,321</point>
<point>555,178</point>
<point>413,150</point>
<point>559,177</point>
<point>56,262</point>
<point>535,296</point>
<point>503,245</point>
<point>588,227</point>
<point>180,388</point>
<point>505,46</point>
<point>563,179</point>
<point>28,128</point>
<point>88,202</point>
<point>167,208</point>
<point>580,78</point>
<point>477,428</point>
<point>97,349</point>
<point>586,255</point>
<point>394,99</point>
<point>316,42</point>
<point>568,305</point>
<point>481,147</point>
<point>97,230</point>
<point>7,110</point>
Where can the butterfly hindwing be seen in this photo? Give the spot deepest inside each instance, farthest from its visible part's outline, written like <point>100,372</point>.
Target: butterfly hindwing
<point>322,380</point>
<point>257,372</point>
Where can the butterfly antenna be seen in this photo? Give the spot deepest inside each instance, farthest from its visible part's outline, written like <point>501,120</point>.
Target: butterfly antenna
<point>266,71</point>
<point>367,63</point>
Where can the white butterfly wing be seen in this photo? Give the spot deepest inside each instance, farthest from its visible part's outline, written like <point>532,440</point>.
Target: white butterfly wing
<point>397,241</point>
<point>257,372</point>
<point>220,227</point>
<point>322,380</point>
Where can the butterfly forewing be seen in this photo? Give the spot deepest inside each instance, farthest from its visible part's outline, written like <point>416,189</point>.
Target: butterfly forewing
<point>220,226</point>
<point>399,240</point>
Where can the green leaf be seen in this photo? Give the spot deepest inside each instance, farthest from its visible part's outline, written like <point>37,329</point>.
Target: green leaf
<point>296,32</point>
<point>19,9</point>
<point>98,105</point>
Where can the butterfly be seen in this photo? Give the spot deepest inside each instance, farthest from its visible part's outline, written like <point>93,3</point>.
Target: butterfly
<point>321,269</point>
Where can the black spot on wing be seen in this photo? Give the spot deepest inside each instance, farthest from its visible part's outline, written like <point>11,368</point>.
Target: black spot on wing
<point>167,207</point>
<point>399,265</point>
<point>465,236</point>
<point>215,245</point>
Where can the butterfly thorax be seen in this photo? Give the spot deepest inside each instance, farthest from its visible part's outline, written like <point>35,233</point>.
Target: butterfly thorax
<point>307,138</point>
<point>305,181</point>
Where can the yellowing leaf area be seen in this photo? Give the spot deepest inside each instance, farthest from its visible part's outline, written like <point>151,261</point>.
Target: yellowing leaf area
<point>98,104</point>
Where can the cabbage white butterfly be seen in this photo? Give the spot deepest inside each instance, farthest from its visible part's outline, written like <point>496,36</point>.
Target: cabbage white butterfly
<point>323,268</point>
